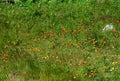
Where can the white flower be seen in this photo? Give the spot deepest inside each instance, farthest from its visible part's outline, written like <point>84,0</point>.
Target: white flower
<point>108,27</point>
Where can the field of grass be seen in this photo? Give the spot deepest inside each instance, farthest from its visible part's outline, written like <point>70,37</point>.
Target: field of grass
<point>60,41</point>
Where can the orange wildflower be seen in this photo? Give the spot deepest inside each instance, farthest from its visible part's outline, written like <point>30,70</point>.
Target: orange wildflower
<point>90,29</point>
<point>51,34</point>
<point>1,54</point>
<point>71,43</point>
<point>114,30</point>
<point>76,74</point>
<point>81,27</point>
<point>85,62</point>
<point>44,32</point>
<point>78,31</point>
<point>74,31</point>
<point>63,29</point>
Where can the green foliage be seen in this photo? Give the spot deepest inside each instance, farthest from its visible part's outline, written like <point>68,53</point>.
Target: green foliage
<point>59,40</point>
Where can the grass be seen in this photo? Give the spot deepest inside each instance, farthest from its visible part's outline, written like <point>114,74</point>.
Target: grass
<point>61,41</point>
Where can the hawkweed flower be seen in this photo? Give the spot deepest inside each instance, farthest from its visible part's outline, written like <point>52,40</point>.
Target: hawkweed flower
<point>108,27</point>
<point>63,29</point>
<point>74,31</point>
<point>113,63</point>
<point>112,69</point>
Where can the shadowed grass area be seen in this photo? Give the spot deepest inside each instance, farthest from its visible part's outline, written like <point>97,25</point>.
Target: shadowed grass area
<point>59,41</point>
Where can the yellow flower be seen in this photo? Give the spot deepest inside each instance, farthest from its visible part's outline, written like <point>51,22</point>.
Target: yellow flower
<point>113,63</point>
<point>37,49</point>
<point>56,57</point>
<point>74,77</point>
<point>112,69</point>
<point>113,47</point>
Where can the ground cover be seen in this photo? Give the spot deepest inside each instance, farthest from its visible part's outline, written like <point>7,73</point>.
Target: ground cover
<point>59,41</point>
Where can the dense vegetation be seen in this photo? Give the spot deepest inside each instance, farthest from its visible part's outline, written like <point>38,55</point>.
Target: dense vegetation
<point>59,40</point>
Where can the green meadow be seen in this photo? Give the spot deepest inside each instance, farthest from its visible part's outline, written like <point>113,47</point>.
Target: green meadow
<point>59,40</point>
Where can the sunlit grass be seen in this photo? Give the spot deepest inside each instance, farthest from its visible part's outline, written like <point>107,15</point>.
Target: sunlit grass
<point>63,42</point>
